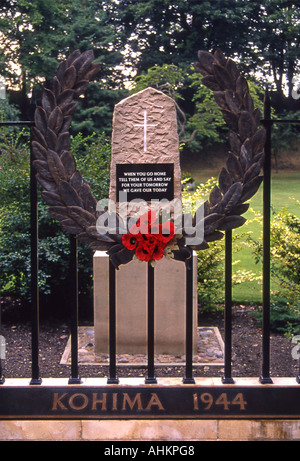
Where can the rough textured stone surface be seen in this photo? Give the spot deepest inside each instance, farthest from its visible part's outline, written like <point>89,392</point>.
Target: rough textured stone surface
<point>128,139</point>
<point>153,430</point>
<point>40,430</point>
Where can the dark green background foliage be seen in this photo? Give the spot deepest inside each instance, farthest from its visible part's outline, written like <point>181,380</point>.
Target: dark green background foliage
<point>134,36</point>
<point>92,156</point>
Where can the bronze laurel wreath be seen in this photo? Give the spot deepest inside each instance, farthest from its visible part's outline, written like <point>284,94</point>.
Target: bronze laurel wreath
<point>70,198</point>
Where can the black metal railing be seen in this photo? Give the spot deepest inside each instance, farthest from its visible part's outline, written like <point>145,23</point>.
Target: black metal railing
<point>188,378</point>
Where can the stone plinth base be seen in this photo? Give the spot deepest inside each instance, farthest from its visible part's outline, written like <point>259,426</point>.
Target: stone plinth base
<point>131,306</point>
<point>209,428</point>
<point>152,430</point>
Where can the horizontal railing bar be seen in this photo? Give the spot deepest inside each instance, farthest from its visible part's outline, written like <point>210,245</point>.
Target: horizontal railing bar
<point>18,123</point>
<point>31,122</point>
<point>270,120</point>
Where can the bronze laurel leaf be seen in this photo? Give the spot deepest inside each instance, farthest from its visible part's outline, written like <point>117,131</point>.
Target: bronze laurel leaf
<point>52,199</point>
<point>231,222</point>
<point>40,120</point>
<point>235,142</point>
<point>206,61</point>
<point>231,198</point>
<point>55,120</point>
<point>251,188</point>
<point>234,168</point>
<point>215,195</point>
<point>51,138</point>
<point>63,142</point>
<point>69,194</point>
<point>48,100</point>
<point>69,77</point>
<point>225,180</point>
<point>65,98</point>
<point>252,172</point>
<point>246,125</point>
<point>39,152</point>
<point>56,166</point>
<point>211,83</point>
<point>68,163</point>
<point>69,109</point>
<point>39,137</point>
<point>223,77</point>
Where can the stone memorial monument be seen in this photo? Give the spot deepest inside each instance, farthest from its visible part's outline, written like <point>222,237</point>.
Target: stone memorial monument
<point>145,166</point>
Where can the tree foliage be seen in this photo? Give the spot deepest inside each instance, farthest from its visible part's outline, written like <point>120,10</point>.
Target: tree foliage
<point>135,36</point>
<point>36,35</point>
<point>263,36</point>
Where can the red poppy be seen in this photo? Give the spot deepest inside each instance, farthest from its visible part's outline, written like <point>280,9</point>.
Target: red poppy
<point>148,238</point>
<point>158,252</point>
<point>143,253</point>
<point>129,241</point>
<point>149,248</point>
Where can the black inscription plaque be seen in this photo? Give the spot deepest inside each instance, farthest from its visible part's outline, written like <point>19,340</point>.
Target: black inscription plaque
<point>145,181</point>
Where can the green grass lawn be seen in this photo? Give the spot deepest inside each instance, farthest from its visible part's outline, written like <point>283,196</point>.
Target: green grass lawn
<point>285,186</point>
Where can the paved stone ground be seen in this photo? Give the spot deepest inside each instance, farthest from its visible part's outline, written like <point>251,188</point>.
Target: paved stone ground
<point>210,350</point>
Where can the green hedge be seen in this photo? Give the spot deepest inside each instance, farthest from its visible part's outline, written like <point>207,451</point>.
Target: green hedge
<point>92,156</point>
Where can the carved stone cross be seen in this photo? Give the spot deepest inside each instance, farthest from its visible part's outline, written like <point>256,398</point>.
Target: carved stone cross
<point>145,125</point>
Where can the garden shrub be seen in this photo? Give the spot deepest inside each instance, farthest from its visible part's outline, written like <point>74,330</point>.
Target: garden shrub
<point>210,262</point>
<point>284,317</point>
<point>92,156</point>
<point>285,271</point>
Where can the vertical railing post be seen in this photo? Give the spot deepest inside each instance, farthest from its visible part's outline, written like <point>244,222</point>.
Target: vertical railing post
<point>112,379</point>
<point>188,378</point>
<point>227,378</point>
<point>74,378</point>
<point>150,379</point>
<point>35,377</point>
<point>265,377</point>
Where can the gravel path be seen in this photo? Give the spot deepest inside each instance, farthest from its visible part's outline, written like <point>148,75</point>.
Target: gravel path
<point>246,352</point>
